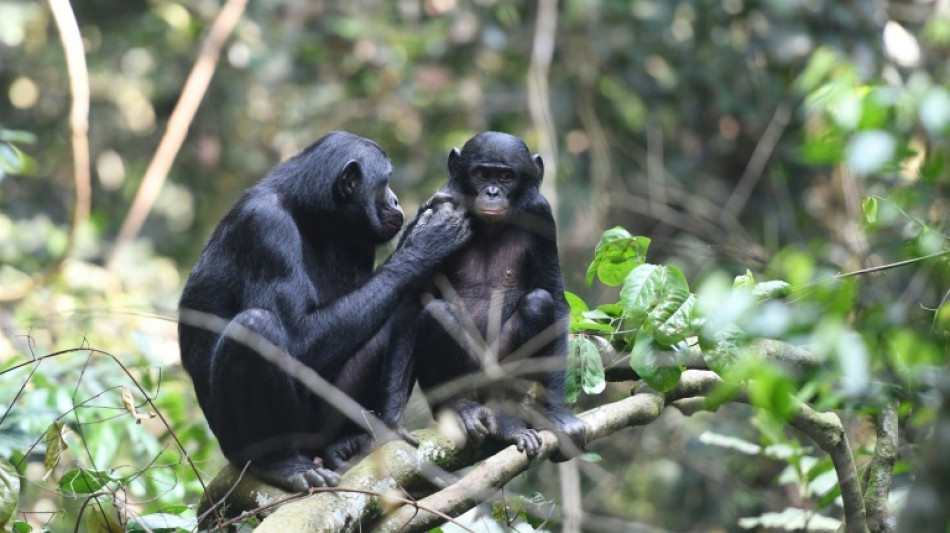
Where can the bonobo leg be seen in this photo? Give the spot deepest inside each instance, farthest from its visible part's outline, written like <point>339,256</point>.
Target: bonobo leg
<point>267,428</point>
<point>533,327</point>
<point>446,353</point>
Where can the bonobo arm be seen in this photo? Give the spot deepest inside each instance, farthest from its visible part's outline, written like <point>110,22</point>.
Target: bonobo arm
<point>328,332</point>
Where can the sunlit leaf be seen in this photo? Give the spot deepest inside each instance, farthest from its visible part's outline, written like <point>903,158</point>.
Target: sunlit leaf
<point>161,523</point>
<point>641,290</point>
<point>82,481</point>
<point>584,366</point>
<point>9,492</point>
<point>791,519</point>
<point>745,281</point>
<point>617,253</point>
<point>659,366</point>
<point>55,446</point>
<point>669,320</point>
<point>869,206</point>
<point>723,349</point>
<point>768,290</point>
<point>21,527</point>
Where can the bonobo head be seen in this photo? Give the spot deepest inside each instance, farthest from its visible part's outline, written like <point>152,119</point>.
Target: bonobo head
<point>344,178</point>
<point>492,171</point>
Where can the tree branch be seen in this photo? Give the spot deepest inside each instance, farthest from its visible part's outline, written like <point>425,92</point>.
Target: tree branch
<point>178,123</point>
<point>881,471</point>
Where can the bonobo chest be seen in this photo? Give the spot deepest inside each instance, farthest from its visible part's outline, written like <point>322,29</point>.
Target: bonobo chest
<point>491,261</point>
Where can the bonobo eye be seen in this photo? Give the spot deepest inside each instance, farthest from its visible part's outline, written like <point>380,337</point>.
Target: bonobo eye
<point>504,177</point>
<point>477,173</point>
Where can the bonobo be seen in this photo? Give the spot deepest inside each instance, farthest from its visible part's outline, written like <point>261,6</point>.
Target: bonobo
<point>293,262</point>
<point>506,284</point>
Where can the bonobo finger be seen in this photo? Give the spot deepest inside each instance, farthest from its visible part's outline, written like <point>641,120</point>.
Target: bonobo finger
<point>298,483</point>
<point>424,218</point>
<point>441,197</point>
<point>321,477</point>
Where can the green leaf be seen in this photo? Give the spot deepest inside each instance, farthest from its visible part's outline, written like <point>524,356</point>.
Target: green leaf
<point>572,389</point>
<point>768,290</point>
<point>641,291</point>
<point>745,281</point>
<point>21,527</point>
<point>822,62</point>
<point>593,380</point>
<point>869,206</point>
<point>829,497</point>
<point>55,446</point>
<point>577,305</point>
<point>617,253</point>
<point>669,320</point>
<point>659,366</point>
<point>591,457</point>
<point>9,492</point>
<point>585,360</point>
<point>81,481</point>
<point>161,523</point>
<point>723,349</point>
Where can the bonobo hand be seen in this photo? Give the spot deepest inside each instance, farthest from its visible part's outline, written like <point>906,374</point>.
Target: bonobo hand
<point>436,232</point>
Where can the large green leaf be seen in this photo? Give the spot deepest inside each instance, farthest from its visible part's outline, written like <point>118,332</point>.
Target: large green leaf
<point>585,368</point>
<point>641,290</point>
<point>669,320</point>
<point>582,319</point>
<point>723,349</point>
<point>617,253</point>
<point>9,492</point>
<point>81,481</point>
<point>659,366</point>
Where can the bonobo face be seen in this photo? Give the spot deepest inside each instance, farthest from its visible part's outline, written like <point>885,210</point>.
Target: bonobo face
<point>388,213</point>
<point>493,185</point>
<point>493,170</point>
<point>363,189</point>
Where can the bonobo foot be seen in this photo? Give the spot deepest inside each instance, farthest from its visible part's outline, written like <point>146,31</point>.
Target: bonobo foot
<point>571,434</point>
<point>477,420</point>
<point>294,474</point>
<point>513,430</point>
<point>526,440</point>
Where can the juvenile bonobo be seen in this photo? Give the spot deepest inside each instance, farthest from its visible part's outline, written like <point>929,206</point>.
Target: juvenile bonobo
<point>292,262</point>
<point>509,288</point>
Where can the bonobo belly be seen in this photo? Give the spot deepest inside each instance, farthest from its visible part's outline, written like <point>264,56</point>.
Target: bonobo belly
<point>489,304</point>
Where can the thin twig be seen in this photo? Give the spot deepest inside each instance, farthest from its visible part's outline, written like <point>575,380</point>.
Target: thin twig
<point>79,114</point>
<point>178,123</point>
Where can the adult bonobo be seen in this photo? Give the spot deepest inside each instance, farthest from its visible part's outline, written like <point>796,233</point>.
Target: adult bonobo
<point>501,299</point>
<point>293,262</point>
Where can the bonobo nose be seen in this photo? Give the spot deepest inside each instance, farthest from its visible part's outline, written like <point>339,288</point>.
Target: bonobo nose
<point>493,191</point>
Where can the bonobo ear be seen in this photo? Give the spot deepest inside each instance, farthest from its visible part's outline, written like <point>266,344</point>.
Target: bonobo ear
<point>454,156</point>
<point>348,180</point>
<point>540,164</point>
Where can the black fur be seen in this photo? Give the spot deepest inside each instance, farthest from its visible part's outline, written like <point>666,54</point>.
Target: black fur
<point>507,279</point>
<point>293,262</point>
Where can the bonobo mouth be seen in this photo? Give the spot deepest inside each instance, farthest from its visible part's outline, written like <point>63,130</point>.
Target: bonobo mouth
<point>491,215</point>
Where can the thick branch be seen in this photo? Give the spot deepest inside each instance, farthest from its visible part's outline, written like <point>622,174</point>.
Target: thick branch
<point>881,472</point>
<point>828,433</point>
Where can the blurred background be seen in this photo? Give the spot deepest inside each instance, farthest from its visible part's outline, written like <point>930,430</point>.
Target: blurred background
<point>737,134</point>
